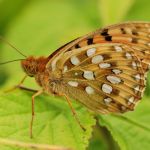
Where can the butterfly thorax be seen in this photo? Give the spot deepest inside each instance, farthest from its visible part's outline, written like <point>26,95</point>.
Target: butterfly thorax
<point>47,79</point>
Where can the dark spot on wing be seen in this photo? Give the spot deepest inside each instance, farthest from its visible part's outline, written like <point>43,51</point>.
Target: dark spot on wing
<point>108,38</point>
<point>123,31</point>
<point>77,46</point>
<point>116,91</point>
<point>90,41</point>
<point>134,32</point>
<point>104,32</point>
<point>134,40</point>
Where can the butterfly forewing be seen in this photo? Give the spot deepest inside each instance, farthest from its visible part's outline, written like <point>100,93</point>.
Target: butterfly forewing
<point>134,34</point>
<point>105,70</point>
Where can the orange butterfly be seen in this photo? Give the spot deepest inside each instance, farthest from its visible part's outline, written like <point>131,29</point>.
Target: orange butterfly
<point>104,70</point>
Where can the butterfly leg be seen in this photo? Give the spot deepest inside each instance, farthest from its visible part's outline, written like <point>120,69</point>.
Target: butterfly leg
<point>20,86</point>
<point>74,112</point>
<point>27,89</point>
<point>32,119</point>
<point>17,86</point>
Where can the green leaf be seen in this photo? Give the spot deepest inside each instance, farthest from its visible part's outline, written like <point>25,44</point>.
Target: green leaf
<point>114,11</point>
<point>54,123</point>
<point>139,11</point>
<point>6,15</point>
<point>8,11</point>
<point>131,130</point>
<point>31,146</point>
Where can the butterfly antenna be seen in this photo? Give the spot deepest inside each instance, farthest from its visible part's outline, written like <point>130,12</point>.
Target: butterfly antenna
<point>5,41</point>
<point>2,63</point>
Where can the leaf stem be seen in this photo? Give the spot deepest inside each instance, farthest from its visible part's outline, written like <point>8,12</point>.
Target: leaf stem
<point>30,145</point>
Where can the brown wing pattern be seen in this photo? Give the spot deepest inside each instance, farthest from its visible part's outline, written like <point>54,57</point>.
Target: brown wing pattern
<point>105,70</point>
<point>106,78</point>
<point>134,34</point>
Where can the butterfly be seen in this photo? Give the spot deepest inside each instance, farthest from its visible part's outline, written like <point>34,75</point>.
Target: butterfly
<point>104,70</point>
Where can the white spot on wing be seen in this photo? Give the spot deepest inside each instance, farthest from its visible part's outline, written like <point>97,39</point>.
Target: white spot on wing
<point>113,79</point>
<point>137,77</point>
<point>91,52</point>
<point>123,108</point>
<point>118,48</point>
<point>106,88</point>
<point>128,56</point>
<point>74,60</point>
<point>134,65</point>
<point>88,75</point>
<point>65,68</point>
<point>104,65</point>
<point>97,59</point>
<point>137,88</point>
<point>76,73</point>
<point>107,100</point>
<point>116,71</point>
<point>131,100</point>
<point>89,90</point>
<point>73,83</point>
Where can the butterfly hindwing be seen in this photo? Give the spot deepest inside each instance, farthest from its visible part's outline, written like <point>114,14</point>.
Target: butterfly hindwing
<point>109,77</point>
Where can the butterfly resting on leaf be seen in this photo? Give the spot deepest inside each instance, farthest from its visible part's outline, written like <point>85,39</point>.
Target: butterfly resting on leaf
<point>104,70</point>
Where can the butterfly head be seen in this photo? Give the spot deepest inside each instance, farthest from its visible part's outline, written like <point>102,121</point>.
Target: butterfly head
<point>32,65</point>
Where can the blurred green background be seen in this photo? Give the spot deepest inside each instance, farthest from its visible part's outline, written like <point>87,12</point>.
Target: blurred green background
<point>39,27</point>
